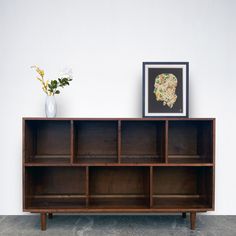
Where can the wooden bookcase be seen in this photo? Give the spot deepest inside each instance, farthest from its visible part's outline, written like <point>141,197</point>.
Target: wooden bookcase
<point>118,165</point>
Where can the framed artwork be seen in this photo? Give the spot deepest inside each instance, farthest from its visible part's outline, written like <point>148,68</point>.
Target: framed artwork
<point>165,89</point>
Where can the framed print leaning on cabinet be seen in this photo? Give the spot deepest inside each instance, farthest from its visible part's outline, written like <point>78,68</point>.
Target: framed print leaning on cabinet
<point>165,89</point>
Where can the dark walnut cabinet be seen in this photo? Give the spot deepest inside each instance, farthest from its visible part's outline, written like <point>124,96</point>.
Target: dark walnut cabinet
<point>78,165</point>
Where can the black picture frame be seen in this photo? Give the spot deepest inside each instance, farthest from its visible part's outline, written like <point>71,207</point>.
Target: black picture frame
<point>172,103</point>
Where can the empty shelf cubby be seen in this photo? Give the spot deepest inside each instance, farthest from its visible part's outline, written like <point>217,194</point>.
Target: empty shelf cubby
<point>182,187</point>
<point>142,141</point>
<point>95,141</point>
<point>117,187</point>
<point>47,141</point>
<point>190,141</point>
<point>55,187</point>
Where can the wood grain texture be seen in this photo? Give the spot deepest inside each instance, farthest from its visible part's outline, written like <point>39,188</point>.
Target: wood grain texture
<point>151,186</point>
<point>193,220</point>
<point>142,138</point>
<point>118,180</point>
<point>96,138</point>
<point>166,138</point>
<point>119,141</point>
<point>72,142</point>
<point>118,165</point>
<point>43,221</point>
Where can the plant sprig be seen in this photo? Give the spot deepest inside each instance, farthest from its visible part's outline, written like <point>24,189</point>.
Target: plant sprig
<point>52,87</point>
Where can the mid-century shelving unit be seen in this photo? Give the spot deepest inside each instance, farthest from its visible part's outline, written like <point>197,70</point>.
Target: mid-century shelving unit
<point>118,165</point>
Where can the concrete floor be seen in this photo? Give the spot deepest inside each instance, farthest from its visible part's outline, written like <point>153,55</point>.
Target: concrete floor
<point>74,225</point>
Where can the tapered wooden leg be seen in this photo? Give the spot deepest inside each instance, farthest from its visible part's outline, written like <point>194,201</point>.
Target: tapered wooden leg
<point>50,215</point>
<point>43,221</point>
<point>193,220</point>
<point>184,214</point>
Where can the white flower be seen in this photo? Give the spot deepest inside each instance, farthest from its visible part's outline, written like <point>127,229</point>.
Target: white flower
<point>66,73</point>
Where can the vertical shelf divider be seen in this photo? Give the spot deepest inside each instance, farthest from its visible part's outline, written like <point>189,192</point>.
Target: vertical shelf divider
<point>213,128</point>
<point>87,186</point>
<point>213,161</point>
<point>151,186</point>
<point>166,141</point>
<point>72,142</point>
<point>119,141</point>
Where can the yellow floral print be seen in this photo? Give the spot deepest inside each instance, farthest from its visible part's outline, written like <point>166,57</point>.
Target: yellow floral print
<point>164,89</point>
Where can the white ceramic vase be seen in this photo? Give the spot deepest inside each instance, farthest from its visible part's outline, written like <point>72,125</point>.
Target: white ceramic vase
<point>50,107</point>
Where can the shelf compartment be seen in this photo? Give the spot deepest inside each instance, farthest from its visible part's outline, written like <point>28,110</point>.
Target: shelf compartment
<point>55,187</point>
<point>115,187</point>
<point>182,187</point>
<point>47,141</point>
<point>190,141</point>
<point>96,141</point>
<point>142,141</point>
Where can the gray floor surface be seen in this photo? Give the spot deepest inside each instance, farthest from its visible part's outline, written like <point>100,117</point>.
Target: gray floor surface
<point>74,225</point>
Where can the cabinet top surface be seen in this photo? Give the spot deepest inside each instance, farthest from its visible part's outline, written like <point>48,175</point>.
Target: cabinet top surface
<point>115,119</point>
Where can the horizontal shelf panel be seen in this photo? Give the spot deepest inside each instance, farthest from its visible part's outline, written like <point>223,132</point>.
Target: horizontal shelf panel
<point>173,160</point>
<point>56,156</point>
<point>58,196</point>
<point>49,159</point>
<point>176,196</point>
<point>58,206</point>
<point>119,202</point>
<point>137,209</point>
<point>44,203</point>
<point>53,164</point>
<point>116,164</point>
<point>140,159</point>
<point>118,196</point>
<point>96,159</point>
<point>116,207</point>
<point>94,119</point>
<point>74,196</point>
<point>184,202</point>
<point>188,159</point>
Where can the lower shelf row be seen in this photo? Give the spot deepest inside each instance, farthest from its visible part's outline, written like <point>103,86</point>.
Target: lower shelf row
<point>122,202</point>
<point>118,187</point>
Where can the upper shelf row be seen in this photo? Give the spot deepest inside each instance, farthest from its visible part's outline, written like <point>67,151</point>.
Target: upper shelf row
<point>118,141</point>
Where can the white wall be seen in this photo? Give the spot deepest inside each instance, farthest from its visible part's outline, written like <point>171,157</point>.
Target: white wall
<point>105,43</point>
